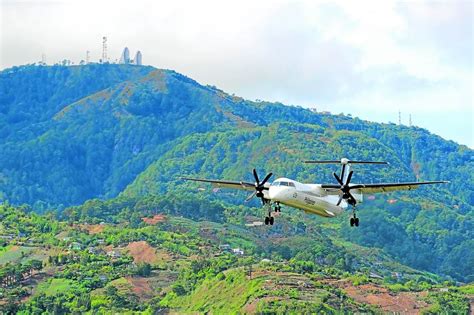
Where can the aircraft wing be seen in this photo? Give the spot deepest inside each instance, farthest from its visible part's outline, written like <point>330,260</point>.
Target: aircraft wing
<point>382,187</point>
<point>225,183</point>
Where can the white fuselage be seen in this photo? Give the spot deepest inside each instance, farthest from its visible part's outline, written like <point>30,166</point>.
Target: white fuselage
<point>308,197</point>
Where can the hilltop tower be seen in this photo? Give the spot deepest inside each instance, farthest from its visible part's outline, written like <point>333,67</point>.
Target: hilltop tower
<point>138,58</point>
<point>104,49</point>
<point>125,58</point>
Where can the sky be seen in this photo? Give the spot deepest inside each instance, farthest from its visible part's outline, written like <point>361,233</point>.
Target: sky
<point>370,59</point>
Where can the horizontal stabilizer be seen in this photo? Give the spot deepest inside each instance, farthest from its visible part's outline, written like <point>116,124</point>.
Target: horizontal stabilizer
<point>344,161</point>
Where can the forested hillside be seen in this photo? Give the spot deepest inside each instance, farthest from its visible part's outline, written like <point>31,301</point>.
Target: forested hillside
<point>70,134</point>
<point>123,256</point>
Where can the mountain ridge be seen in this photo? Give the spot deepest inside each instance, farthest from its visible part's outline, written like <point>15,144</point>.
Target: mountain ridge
<point>71,134</point>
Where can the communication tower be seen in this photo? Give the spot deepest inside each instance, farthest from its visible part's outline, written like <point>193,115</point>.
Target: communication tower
<point>138,58</point>
<point>104,49</point>
<point>87,57</point>
<point>125,58</point>
<point>409,120</point>
<point>399,117</point>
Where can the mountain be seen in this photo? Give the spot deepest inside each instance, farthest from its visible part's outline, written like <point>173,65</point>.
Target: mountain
<point>70,134</point>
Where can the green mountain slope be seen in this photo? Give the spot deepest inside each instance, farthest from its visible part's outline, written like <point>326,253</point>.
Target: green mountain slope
<point>69,134</point>
<point>170,264</point>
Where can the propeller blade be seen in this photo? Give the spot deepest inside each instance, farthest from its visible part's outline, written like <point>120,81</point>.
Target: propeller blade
<point>256,176</point>
<point>343,172</point>
<point>349,177</point>
<point>338,179</point>
<point>339,201</point>
<point>250,196</point>
<point>266,178</point>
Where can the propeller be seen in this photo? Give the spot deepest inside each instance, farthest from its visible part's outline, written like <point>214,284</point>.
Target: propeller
<point>259,187</point>
<point>346,189</point>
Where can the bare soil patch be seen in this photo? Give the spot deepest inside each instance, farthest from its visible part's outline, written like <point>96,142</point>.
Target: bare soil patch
<point>142,252</point>
<point>92,228</point>
<point>154,220</point>
<point>141,287</point>
<point>403,302</point>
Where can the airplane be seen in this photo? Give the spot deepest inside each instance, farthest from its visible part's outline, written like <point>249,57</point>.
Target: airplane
<point>326,200</point>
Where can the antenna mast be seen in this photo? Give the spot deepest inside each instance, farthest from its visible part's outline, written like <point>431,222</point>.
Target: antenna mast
<point>104,49</point>
<point>399,117</point>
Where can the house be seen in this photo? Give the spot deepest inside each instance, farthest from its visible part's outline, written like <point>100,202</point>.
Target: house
<point>375,276</point>
<point>225,247</point>
<point>397,275</point>
<point>8,236</point>
<point>75,246</point>
<point>255,223</point>
<point>93,250</point>
<point>237,251</point>
<point>114,254</point>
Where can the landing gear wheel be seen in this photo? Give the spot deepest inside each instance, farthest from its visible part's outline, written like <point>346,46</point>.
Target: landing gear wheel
<point>267,220</point>
<point>272,219</point>
<point>354,220</point>
<point>277,207</point>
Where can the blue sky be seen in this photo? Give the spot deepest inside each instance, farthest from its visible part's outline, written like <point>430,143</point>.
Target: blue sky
<point>367,58</point>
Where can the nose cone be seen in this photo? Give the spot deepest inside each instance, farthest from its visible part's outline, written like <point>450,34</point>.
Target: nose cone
<point>277,193</point>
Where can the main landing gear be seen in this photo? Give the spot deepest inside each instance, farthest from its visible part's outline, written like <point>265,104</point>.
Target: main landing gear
<point>269,220</point>
<point>354,220</point>
<point>277,207</point>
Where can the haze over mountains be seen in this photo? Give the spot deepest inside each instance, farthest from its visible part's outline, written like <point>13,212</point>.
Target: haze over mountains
<point>70,134</point>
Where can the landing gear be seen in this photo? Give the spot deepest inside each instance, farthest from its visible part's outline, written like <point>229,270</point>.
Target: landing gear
<point>277,207</point>
<point>354,220</point>
<point>269,220</point>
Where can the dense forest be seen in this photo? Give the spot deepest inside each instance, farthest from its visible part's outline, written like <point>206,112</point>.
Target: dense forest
<point>108,143</point>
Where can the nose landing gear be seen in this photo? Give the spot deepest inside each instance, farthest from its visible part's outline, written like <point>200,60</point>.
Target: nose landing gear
<point>269,220</point>
<point>354,220</point>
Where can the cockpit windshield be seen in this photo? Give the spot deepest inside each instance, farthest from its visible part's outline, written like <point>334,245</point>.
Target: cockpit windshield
<point>282,183</point>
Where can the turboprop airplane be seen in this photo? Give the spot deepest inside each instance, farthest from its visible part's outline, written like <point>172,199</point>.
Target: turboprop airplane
<point>326,200</point>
